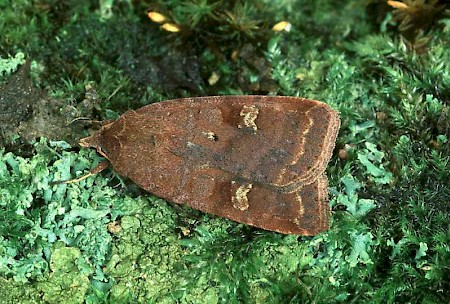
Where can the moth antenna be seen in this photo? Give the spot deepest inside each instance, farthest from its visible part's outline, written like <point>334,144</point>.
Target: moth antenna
<point>81,118</point>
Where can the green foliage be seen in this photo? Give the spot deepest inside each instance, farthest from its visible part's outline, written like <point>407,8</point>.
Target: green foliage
<point>145,258</point>
<point>13,292</point>
<point>372,160</point>
<point>230,265</point>
<point>37,215</point>
<point>69,280</point>
<point>219,21</point>
<point>356,206</point>
<point>95,242</point>
<point>195,12</point>
<point>379,73</point>
<point>413,16</point>
<point>10,65</point>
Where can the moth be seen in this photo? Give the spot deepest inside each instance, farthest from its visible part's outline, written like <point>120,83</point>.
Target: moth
<point>257,160</point>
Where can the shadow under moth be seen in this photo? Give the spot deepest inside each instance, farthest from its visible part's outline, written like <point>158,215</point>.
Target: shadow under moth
<point>256,160</point>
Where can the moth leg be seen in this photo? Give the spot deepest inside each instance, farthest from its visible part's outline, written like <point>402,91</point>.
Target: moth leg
<point>99,168</point>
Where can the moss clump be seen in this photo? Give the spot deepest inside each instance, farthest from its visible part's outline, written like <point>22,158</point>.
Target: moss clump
<point>99,242</point>
<point>145,256</point>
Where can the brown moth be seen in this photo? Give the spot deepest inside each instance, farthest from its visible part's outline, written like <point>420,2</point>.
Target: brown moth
<point>256,160</point>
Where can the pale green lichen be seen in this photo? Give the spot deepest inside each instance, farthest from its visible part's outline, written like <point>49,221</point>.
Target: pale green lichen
<point>145,257</point>
<point>68,280</point>
<point>389,237</point>
<point>11,64</point>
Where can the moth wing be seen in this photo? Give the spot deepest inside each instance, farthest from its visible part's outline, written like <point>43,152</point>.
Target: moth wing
<point>284,142</point>
<point>258,162</point>
<point>304,211</point>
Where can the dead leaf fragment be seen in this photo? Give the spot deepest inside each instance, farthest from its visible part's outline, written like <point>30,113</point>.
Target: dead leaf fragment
<point>282,26</point>
<point>156,17</point>
<point>398,5</point>
<point>214,78</point>
<point>170,27</point>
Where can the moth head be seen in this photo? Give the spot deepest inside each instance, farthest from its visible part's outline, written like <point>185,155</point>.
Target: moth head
<point>105,140</point>
<point>90,141</point>
<point>93,141</point>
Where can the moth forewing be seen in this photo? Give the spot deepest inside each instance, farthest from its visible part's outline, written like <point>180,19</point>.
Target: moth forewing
<point>257,160</point>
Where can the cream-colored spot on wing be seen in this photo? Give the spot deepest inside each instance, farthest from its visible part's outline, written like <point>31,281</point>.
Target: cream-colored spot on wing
<point>305,132</point>
<point>301,208</point>
<point>210,135</point>
<point>249,114</point>
<point>240,199</point>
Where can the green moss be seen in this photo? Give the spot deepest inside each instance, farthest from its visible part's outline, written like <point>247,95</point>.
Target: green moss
<point>14,292</point>
<point>67,281</point>
<point>7,66</point>
<point>37,215</point>
<point>100,242</point>
<point>145,256</point>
